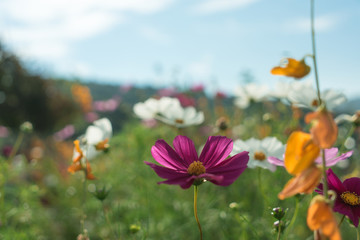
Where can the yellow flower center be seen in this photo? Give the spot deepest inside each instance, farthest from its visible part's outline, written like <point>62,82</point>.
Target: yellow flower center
<point>259,156</point>
<point>350,198</point>
<point>180,121</point>
<point>196,168</point>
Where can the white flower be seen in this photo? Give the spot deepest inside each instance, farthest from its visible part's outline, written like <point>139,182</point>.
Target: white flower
<point>302,94</point>
<point>250,92</point>
<point>152,107</point>
<point>98,133</point>
<point>259,151</point>
<point>348,118</point>
<point>169,111</point>
<point>281,89</point>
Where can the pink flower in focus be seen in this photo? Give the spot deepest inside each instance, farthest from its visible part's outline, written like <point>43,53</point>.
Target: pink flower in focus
<point>330,157</point>
<point>182,166</point>
<point>347,200</point>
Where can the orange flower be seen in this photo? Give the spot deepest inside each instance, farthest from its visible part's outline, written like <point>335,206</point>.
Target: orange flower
<point>324,129</point>
<point>83,96</point>
<point>77,164</point>
<point>79,151</point>
<point>320,217</point>
<point>300,152</point>
<point>103,145</point>
<point>305,182</point>
<point>292,68</point>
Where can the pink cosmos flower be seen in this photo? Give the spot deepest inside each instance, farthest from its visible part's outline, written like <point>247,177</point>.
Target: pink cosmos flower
<point>182,166</point>
<point>347,200</point>
<point>330,157</point>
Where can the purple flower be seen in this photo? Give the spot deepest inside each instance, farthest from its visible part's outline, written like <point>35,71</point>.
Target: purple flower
<point>330,158</point>
<point>183,167</point>
<point>347,195</point>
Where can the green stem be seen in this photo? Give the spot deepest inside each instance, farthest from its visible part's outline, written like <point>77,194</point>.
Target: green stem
<point>341,221</point>
<point>108,220</point>
<point>195,211</point>
<point>16,145</point>
<point>325,184</point>
<point>293,219</point>
<point>349,134</point>
<point>314,50</point>
<point>261,188</point>
<point>357,234</point>
<point>249,224</point>
<point>83,204</point>
<point>279,231</point>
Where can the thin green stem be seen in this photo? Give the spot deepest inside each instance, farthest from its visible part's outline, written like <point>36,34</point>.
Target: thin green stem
<point>325,183</point>
<point>195,211</point>
<point>349,134</point>
<point>261,188</point>
<point>279,231</point>
<point>341,221</point>
<point>108,220</point>
<point>16,145</point>
<point>314,50</point>
<point>357,234</point>
<point>83,204</point>
<point>293,219</point>
<point>249,224</point>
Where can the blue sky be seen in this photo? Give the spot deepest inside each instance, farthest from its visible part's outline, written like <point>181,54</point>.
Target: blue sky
<point>161,42</point>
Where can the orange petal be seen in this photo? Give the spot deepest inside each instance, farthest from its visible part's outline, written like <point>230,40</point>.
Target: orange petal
<point>300,152</point>
<point>102,145</point>
<point>89,174</point>
<point>324,129</point>
<point>320,216</point>
<point>293,68</point>
<point>74,167</point>
<point>305,183</point>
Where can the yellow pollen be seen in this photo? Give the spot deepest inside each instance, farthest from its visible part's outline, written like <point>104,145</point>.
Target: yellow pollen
<point>315,103</point>
<point>350,198</point>
<point>180,121</point>
<point>196,168</point>
<point>259,156</point>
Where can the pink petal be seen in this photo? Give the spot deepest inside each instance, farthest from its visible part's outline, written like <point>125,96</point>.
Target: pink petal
<point>218,180</point>
<point>330,156</point>
<point>352,185</point>
<point>276,161</point>
<point>230,169</point>
<point>167,173</point>
<point>167,157</point>
<point>216,149</point>
<point>334,182</point>
<point>347,210</point>
<point>186,149</point>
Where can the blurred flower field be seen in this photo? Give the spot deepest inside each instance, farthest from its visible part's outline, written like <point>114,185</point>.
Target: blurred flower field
<point>90,161</point>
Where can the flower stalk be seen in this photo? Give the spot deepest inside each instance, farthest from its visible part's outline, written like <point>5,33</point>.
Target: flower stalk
<point>312,16</point>
<point>195,211</point>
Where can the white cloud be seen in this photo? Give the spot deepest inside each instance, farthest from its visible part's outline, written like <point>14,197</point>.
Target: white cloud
<point>213,6</point>
<point>322,24</point>
<point>155,35</point>
<point>46,29</point>
<point>202,69</point>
